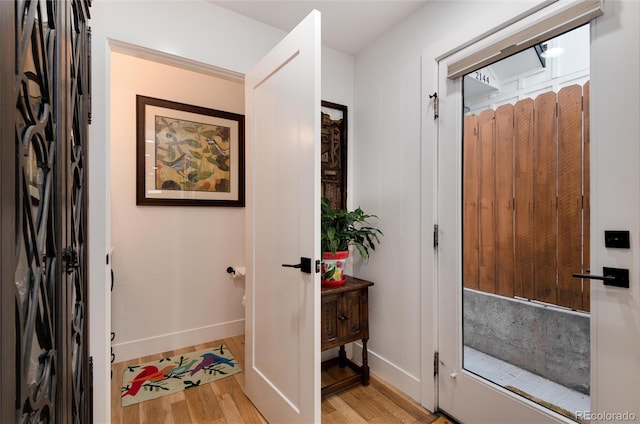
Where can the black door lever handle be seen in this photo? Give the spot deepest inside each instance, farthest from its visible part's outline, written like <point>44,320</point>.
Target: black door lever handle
<point>595,277</point>
<point>303,266</point>
<point>618,277</point>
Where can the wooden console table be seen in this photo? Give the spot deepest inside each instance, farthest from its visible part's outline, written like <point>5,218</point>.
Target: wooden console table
<point>345,318</point>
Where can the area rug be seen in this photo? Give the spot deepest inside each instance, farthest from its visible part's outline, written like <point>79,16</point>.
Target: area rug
<point>173,374</point>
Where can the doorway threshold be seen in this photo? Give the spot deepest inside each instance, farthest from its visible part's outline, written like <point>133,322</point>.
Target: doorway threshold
<point>510,376</point>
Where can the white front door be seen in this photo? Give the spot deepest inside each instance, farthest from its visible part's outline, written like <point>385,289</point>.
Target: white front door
<point>615,315</point>
<point>283,101</point>
<point>461,393</point>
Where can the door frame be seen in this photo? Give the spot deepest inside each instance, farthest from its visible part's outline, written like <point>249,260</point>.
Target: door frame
<point>543,21</point>
<point>7,211</point>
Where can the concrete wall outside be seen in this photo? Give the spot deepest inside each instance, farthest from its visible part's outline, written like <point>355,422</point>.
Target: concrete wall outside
<point>546,340</point>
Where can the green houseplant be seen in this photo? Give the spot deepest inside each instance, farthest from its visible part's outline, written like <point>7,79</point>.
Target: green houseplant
<point>339,230</point>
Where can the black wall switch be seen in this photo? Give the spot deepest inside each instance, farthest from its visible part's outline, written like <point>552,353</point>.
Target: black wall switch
<point>618,239</point>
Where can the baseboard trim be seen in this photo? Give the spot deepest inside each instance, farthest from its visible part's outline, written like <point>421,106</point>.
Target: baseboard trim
<point>151,345</point>
<point>389,372</point>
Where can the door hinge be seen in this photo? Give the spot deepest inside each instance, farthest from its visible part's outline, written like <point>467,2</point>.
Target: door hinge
<point>435,236</point>
<point>436,105</point>
<point>70,260</point>
<point>436,363</point>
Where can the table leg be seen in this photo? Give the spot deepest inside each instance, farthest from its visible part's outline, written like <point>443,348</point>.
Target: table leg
<point>365,364</point>
<point>342,357</point>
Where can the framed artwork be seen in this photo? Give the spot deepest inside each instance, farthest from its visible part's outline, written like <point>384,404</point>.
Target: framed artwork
<point>333,176</point>
<point>188,155</point>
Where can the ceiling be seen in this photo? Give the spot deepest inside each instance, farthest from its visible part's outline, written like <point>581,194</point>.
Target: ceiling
<point>347,25</point>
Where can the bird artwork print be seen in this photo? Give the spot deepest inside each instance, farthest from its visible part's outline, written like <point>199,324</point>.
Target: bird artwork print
<point>181,164</point>
<point>191,156</point>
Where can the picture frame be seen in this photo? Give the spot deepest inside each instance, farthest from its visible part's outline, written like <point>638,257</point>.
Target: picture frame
<point>188,155</point>
<point>333,155</point>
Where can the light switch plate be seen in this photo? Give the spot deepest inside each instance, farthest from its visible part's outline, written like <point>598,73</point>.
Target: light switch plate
<point>617,239</point>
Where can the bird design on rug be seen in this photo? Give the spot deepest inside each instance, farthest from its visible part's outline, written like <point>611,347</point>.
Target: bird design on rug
<point>183,368</point>
<point>209,359</point>
<point>148,373</point>
<point>161,374</point>
<point>137,382</point>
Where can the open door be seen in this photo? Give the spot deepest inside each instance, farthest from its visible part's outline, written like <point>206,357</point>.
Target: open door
<point>463,392</point>
<point>282,378</point>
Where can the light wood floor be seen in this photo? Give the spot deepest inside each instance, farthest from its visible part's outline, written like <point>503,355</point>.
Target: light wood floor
<point>223,401</point>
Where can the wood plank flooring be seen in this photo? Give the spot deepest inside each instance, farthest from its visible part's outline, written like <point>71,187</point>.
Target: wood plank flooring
<point>224,402</point>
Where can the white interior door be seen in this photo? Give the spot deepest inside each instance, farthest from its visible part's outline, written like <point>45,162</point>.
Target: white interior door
<point>283,101</point>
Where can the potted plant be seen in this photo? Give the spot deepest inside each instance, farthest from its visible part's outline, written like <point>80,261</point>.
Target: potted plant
<point>339,230</point>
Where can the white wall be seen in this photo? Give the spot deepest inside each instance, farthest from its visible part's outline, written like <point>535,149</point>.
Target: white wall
<point>171,286</point>
<point>387,173</point>
<point>200,32</point>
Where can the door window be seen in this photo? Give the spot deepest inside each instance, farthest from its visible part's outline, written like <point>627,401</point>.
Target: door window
<point>525,223</point>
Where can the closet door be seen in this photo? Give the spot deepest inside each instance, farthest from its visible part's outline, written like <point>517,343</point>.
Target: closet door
<point>45,105</point>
